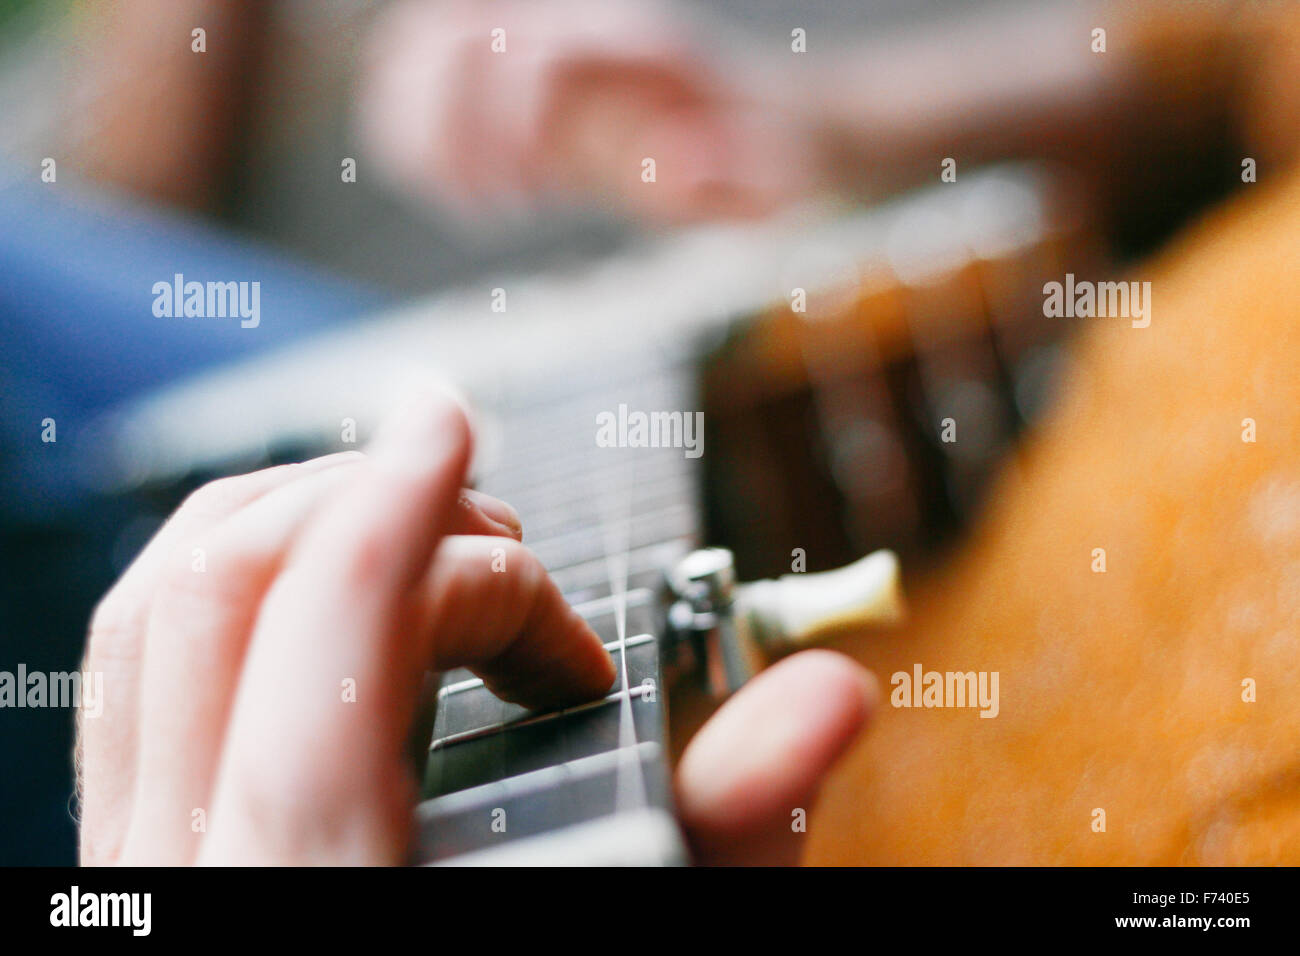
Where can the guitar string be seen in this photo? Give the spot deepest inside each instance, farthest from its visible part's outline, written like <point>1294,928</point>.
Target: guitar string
<point>630,790</point>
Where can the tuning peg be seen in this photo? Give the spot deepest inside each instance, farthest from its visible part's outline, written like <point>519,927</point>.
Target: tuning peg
<point>800,610</point>
<point>732,627</point>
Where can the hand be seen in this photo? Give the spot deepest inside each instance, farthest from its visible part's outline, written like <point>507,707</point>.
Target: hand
<point>583,91</point>
<point>263,661</point>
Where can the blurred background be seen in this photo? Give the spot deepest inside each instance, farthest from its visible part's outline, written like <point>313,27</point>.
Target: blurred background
<point>286,115</point>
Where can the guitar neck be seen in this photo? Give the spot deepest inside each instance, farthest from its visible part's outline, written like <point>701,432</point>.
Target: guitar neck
<point>589,784</point>
<point>891,353</point>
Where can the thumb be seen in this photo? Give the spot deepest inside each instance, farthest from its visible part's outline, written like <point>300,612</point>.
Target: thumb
<point>764,754</point>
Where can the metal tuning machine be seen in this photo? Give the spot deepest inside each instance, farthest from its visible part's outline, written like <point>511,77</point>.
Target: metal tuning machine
<point>732,630</point>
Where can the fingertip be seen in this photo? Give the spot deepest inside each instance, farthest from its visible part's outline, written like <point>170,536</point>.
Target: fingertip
<point>588,673</point>
<point>604,667</point>
<point>849,689</point>
<point>540,653</point>
<point>430,427</point>
<point>380,532</point>
<point>769,747</point>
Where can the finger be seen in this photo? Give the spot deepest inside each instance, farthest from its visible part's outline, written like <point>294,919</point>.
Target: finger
<point>484,514</point>
<point>198,631</point>
<point>493,608</point>
<point>333,663</point>
<point>562,58</point>
<point>744,778</point>
<point>115,647</point>
<point>204,609</point>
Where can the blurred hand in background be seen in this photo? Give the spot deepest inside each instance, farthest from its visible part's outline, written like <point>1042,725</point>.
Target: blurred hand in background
<point>491,106</point>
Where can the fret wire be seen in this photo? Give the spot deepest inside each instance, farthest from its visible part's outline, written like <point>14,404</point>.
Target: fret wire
<point>495,730</point>
<point>461,686</point>
<point>630,788</point>
<point>570,463</point>
<point>639,528</point>
<point>567,549</point>
<point>651,577</point>
<point>648,557</point>
<point>534,781</point>
<point>551,508</point>
<point>635,598</point>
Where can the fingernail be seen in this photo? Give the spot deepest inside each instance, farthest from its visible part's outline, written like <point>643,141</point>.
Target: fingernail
<point>495,510</point>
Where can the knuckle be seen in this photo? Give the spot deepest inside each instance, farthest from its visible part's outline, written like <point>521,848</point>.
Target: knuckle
<point>466,557</point>
<point>178,576</point>
<point>211,568</point>
<point>269,796</point>
<point>209,499</point>
<point>530,572</point>
<point>364,561</point>
<point>217,498</point>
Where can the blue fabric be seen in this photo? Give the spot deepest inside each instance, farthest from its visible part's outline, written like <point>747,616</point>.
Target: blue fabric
<point>78,332</point>
<point>78,335</point>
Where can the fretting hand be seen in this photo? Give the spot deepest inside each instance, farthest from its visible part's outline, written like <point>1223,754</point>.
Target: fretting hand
<point>267,689</point>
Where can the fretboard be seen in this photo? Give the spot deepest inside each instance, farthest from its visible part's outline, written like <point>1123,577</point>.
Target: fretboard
<point>588,784</point>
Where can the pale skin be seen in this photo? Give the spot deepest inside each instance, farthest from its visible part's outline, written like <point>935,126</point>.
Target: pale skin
<point>225,688</point>
<point>577,93</point>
